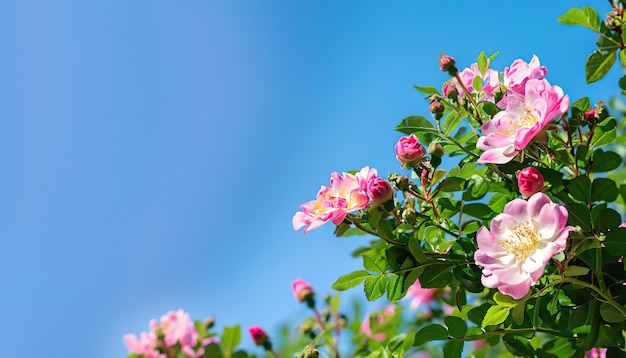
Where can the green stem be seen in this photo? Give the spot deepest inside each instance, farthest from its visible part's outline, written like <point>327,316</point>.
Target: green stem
<point>608,299</point>
<point>371,232</point>
<point>476,337</point>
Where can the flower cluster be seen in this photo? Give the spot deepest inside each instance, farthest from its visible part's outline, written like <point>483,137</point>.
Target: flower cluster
<point>347,193</point>
<point>175,329</point>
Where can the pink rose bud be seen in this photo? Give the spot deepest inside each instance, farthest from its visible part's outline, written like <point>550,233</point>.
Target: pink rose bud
<point>529,181</point>
<point>435,148</point>
<point>436,107</point>
<point>590,114</point>
<point>447,64</point>
<point>258,335</point>
<point>409,150</point>
<point>379,191</point>
<point>449,90</point>
<point>302,290</point>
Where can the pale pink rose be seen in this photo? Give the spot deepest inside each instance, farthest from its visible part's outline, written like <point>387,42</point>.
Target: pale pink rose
<point>345,195</point>
<point>529,181</point>
<point>449,89</point>
<point>379,191</point>
<point>176,327</point>
<point>490,80</point>
<point>596,353</point>
<point>622,224</point>
<point>301,290</point>
<point>144,345</point>
<point>511,130</point>
<point>515,78</point>
<point>521,241</point>
<point>419,295</point>
<point>259,336</point>
<point>381,318</point>
<point>409,150</point>
<point>364,176</point>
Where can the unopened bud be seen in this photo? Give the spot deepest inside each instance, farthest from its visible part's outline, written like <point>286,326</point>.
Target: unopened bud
<point>258,335</point>
<point>302,291</point>
<point>379,191</point>
<point>435,148</point>
<point>208,323</point>
<point>447,64</point>
<point>399,182</point>
<point>309,352</point>
<point>409,150</point>
<point>436,107</point>
<point>449,90</point>
<point>529,181</point>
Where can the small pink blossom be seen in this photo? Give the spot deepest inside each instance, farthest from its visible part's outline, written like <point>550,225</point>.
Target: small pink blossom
<point>596,353</point>
<point>525,117</point>
<point>176,327</point>
<point>379,190</point>
<point>409,150</point>
<point>446,63</point>
<point>301,290</point>
<point>520,243</point>
<point>144,345</point>
<point>419,295</point>
<point>345,194</point>
<point>259,336</point>
<point>590,114</point>
<point>490,80</point>
<point>381,319</point>
<point>515,78</point>
<point>529,181</point>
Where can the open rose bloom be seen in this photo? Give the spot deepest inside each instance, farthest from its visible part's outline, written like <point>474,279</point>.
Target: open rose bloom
<point>521,241</point>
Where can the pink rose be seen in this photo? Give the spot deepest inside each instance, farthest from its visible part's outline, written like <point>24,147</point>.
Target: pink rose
<point>521,241</point>
<point>301,290</point>
<point>144,345</point>
<point>525,117</point>
<point>409,150</point>
<point>259,336</point>
<point>419,295</point>
<point>490,80</point>
<point>446,64</point>
<point>529,181</point>
<point>379,191</point>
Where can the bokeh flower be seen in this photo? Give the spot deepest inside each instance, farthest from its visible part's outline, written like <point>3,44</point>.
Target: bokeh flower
<point>259,336</point>
<point>520,242</point>
<point>419,295</point>
<point>302,290</point>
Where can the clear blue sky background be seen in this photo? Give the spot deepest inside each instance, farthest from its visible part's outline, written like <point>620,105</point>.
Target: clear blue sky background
<point>152,153</point>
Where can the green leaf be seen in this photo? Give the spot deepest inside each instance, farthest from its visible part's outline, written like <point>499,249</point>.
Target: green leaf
<point>605,161</point>
<point>477,83</point>
<point>622,59</point>
<point>573,271</point>
<point>433,332</point>
<point>451,184</point>
<point>622,80</point>
<point>238,354</point>
<point>604,133</point>
<point>608,219</point>
<point>413,124</point>
<point>478,210</point>
<point>453,349</point>
<point>495,315</point>
<point>482,62</point>
<point>559,347</point>
<point>471,227</point>
<point>615,242</point>
<point>506,300</point>
<point>350,280</point>
<point>519,346</point>
<point>476,189</point>
<point>456,326</point>
<point>579,188</point>
<point>574,16</point>
<point>578,215</point>
<point>451,122</point>
<point>427,90</point>
<point>592,17</point>
<point>415,248</point>
<point>231,337</point>
<point>395,287</point>
<point>518,313</point>
<point>372,261</point>
<point>374,287</point>
<point>598,64</point>
<point>604,189</point>
<point>436,275</point>
<point>581,106</point>
<point>611,314</point>
<point>213,351</point>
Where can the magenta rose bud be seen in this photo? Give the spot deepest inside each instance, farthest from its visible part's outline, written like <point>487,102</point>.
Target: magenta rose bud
<point>258,335</point>
<point>302,290</point>
<point>409,150</point>
<point>590,114</point>
<point>447,64</point>
<point>379,191</point>
<point>529,181</point>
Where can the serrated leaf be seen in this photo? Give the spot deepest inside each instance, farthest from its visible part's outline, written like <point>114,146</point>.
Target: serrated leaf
<point>374,262</point>
<point>598,64</point>
<point>374,287</point>
<point>350,280</point>
<point>412,124</point>
<point>433,332</point>
<point>495,315</point>
<point>395,287</point>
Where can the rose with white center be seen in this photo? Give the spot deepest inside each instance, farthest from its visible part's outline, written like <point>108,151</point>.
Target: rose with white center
<point>521,241</point>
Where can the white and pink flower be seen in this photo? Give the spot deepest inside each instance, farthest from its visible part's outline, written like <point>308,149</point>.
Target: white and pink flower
<point>490,82</point>
<point>525,117</point>
<point>520,72</point>
<point>520,243</point>
<point>419,295</point>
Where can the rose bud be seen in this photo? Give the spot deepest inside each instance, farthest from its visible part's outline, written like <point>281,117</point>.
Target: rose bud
<point>449,90</point>
<point>302,290</point>
<point>409,150</point>
<point>258,335</point>
<point>379,191</point>
<point>529,181</point>
<point>435,148</point>
<point>447,64</point>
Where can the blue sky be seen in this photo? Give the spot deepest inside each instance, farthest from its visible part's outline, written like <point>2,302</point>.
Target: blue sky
<point>152,153</point>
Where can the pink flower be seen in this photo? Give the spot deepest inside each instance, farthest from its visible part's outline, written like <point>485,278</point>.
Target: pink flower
<point>301,289</point>
<point>490,81</point>
<point>409,150</point>
<point>590,114</point>
<point>511,130</point>
<point>345,194</point>
<point>380,320</point>
<point>176,327</point>
<point>379,191</point>
<point>596,353</point>
<point>419,295</point>
<point>529,181</point>
<point>446,63</point>
<point>521,241</point>
<point>259,336</point>
<point>515,78</point>
<point>144,345</point>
